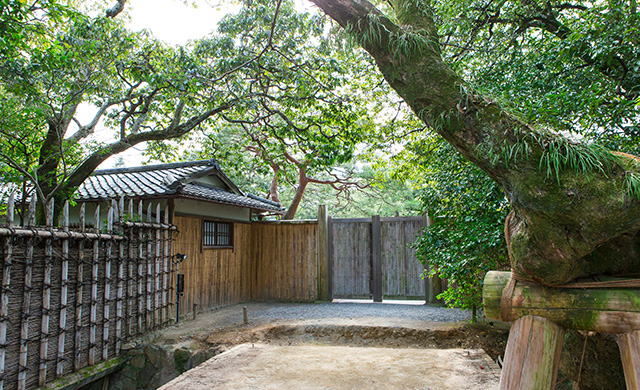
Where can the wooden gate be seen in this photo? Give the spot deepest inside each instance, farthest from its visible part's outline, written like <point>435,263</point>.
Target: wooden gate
<point>373,257</point>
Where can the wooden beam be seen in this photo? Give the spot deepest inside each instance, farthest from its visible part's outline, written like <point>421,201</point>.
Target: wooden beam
<point>324,292</point>
<point>532,357</point>
<point>611,310</point>
<point>376,259</point>
<point>629,344</point>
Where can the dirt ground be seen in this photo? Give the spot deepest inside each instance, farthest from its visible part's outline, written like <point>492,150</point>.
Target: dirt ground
<point>337,353</point>
<point>267,367</point>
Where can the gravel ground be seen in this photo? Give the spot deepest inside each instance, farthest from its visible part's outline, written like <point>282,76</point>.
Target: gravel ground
<point>408,314</point>
<point>349,309</point>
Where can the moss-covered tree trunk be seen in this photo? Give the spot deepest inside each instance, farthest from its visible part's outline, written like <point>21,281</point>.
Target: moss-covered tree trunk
<point>573,214</point>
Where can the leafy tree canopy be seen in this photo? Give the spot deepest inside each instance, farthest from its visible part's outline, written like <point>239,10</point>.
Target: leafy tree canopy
<point>312,102</point>
<point>569,65</point>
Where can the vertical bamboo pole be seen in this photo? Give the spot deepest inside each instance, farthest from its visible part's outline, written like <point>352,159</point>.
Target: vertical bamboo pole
<point>629,344</point>
<point>79,292</point>
<point>94,291</point>
<point>140,276</point>
<point>533,355</point>
<point>165,262</point>
<point>46,298</point>
<point>149,261</point>
<point>6,288</point>
<point>64,292</point>
<point>26,301</point>
<point>130,272</point>
<point>119,300</point>
<point>158,253</point>
<point>106,318</point>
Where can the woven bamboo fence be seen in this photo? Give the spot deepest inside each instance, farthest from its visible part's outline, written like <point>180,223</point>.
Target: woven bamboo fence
<point>71,297</point>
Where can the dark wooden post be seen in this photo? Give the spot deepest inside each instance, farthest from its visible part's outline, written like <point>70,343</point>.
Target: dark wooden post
<point>324,291</point>
<point>376,259</point>
<point>64,292</point>
<point>330,254</point>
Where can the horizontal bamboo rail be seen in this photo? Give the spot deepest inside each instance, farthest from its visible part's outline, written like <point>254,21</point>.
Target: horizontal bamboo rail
<point>21,232</point>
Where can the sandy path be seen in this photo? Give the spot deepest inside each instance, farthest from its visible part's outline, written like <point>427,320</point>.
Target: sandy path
<point>263,366</point>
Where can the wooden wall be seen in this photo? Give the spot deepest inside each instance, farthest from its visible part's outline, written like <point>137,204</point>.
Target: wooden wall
<point>270,261</point>
<point>284,261</point>
<point>212,277</point>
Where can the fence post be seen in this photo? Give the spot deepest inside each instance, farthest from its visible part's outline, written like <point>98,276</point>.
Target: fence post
<point>376,259</point>
<point>79,294</point>
<point>330,254</point>
<point>93,316</point>
<point>64,292</point>
<point>106,307</point>
<point>6,289</point>
<point>26,301</point>
<point>120,279</point>
<point>324,292</point>
<point>46,297</point>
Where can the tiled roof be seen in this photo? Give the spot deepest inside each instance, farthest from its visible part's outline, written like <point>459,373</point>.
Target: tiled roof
<point>169,180</point>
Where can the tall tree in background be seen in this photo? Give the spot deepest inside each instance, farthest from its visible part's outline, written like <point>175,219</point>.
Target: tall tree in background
<point>140,88</point>
<point>315,104</point>
<point>575,208</point>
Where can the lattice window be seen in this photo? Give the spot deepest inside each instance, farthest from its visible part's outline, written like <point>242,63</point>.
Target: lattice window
<point>217,234</point>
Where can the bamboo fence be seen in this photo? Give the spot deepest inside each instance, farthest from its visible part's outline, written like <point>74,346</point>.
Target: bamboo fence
<point>71,297</point>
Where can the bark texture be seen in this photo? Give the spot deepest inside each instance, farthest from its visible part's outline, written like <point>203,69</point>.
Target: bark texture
<point>564,225</point>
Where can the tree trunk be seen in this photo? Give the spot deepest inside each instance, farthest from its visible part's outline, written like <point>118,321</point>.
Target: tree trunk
<point>567,221</point>
<point>297,197</point>
<point>273,189</point>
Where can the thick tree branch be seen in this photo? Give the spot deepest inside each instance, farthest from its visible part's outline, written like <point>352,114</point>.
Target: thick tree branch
<point>85,169</point>
<point>89,128</point>
<point>562,227</point>
<point>116,9</point>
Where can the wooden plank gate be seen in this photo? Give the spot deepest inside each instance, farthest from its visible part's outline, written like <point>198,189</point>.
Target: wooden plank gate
<point>373,257</point>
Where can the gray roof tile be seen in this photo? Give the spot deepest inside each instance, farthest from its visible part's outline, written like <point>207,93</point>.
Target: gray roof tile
<point>168,179</point>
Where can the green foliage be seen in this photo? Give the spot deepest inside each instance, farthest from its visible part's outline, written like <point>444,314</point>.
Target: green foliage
<point>311,104</point>
<point>71,65</point>
<point>559,153</point>
<point>467,208</point>
<point>565,65</point>
<point>632,184</point>
<point>385,196</point>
